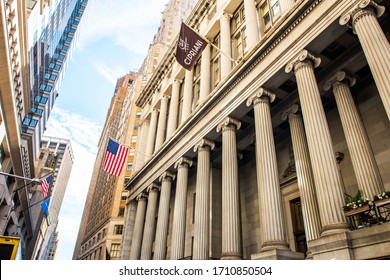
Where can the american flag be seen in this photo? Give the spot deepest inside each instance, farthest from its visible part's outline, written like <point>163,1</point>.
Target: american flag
<point>45,185</point>
<point>114,157</point>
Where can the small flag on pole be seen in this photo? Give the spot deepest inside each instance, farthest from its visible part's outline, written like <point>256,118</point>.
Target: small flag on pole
<point>114,157</point>
<point>45,207</point>
<point>45,185</point>
<point>189,47</point>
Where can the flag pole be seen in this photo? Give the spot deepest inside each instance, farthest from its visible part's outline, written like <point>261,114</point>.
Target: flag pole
<point>208,41</point>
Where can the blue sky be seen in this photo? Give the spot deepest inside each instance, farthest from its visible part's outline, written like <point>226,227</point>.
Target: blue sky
<point>113,40</point>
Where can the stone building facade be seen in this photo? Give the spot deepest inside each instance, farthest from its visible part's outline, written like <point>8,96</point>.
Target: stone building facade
<point>250,154</point>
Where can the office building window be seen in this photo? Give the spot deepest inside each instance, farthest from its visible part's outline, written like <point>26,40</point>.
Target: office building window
<point>115,250</point>
<point>238,33</point>
<point>215,63</point>
<point>269,12</point>
<point>118,229</point>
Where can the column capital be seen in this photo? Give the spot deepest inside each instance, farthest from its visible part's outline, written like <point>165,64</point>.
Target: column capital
<point>155,111</point>
<point>290,111</point>
<point>361,9</point>
<point>142,196</point>
<point>229,123</point>
<point>301,57</point>
<point>167,176</point>
<point>153,188</point>
<point>226,16</point>
<point>183,161</point>
<point>261,95</point>
<point>177,81</point>
<point>204,143</point>
<point>340,77</point>
<point>165,97</point>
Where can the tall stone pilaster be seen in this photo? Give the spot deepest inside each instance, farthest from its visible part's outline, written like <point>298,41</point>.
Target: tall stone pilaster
<point>226,49</point>
<point>150,222</point>
<point>252,24</point>
<point>329,187</point>
<point>310,212</point>
<point>362,157</point>
<point>205,74</point>
<point>272,224</point>
<point>231,225</point>
<point>160,249</point>
<point>141,145</point>
<point>173,108</point>
<point>136,241</point>
<point>152,134</point>
<point>363,20</point>
<point>180,208</point>
<point>162,122</point>
<point>285,5</point>
<point>202,207</point>
<point>187,97</point>
<point>131,210</point>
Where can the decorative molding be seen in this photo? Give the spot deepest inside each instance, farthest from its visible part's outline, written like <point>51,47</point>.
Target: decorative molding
<point>260,94</point>
<point>204,143</point>
<point>359,10</point>
<point>290,111</point>
<point>302,56</point>
<point>183,161</point>
<point>153,187</point>
<point>142,196</point>
<point>229,122</point>
<point>167,176</point>
<point>340,77</point>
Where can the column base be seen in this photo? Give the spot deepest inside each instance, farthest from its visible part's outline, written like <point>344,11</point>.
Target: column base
<point>231,256</point>
<point>335,229</point>
<point>277,254</point>
<point>362,244</point>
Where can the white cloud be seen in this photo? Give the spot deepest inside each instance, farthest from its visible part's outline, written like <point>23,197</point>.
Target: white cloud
<point>130,24</point>
<point>110,74</point>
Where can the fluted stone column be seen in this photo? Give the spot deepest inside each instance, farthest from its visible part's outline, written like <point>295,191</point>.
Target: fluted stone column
<point>226,49</point>
<point>205,74</point>
<point>141,145</point>
<point>180,208</point>
<point>150,222</point>
<point>160,249</point>
<point>231,226</point>
<point>131,210</point>
<point>152,133</point>
<point>329,187</point>
<point>187,97</point>
<point>136,241</point>
<point>173,108</point>
<point>376,47</point>
<point>285,5</point>
<point>252,24</point>
<point>272,224</point>
<point>162,122</point>
<point>202,207</point>
<point>362,157</point>
<point>310,212</point>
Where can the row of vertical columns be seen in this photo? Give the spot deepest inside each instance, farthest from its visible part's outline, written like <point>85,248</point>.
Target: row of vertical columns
<point>160,249</point>
<point>310,213</point>
<point>376,47</point>
<point>362,157</point>
<point>150,222</point>
<point>272,224</point>
<point>326,176</point>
